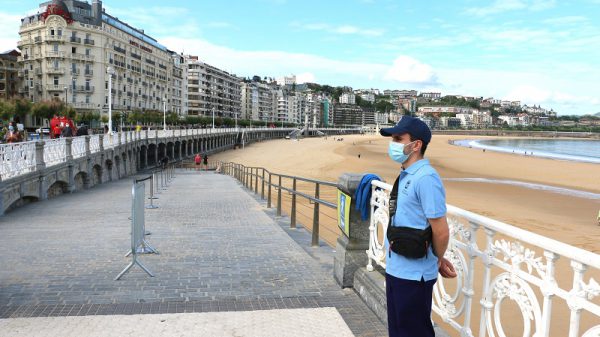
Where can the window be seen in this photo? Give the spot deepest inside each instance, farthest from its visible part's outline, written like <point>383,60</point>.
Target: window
<point>51,32</point>
<point>74,68</point>
<point>56,64</point>
<point>59,32</point>
<point>87,99</point>
<point>74,34</point>
<point>88,51</point>
<point>73,50</point>
<point>55,80</point>
<point>87,84</point>
<point>55,47</point>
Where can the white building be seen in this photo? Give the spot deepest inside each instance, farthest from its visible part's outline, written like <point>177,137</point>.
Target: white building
<point>68,46</point>
<point>286,80</point>
<point>259,102</point>
<point>212,90</point>
<point>347,98</point>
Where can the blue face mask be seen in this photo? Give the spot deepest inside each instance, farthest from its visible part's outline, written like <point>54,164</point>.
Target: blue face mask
<point>396,152</point>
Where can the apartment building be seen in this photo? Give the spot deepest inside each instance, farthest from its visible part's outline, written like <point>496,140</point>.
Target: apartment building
<point>212,90</point>
<point>68,47</point>
<point>347,98</point>
<point>9,70</point>
<point>348,115</point>
<point>259,101</point>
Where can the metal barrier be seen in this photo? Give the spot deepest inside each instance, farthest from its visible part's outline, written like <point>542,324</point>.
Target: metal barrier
<point>138,230</point>
<point>250,176</point>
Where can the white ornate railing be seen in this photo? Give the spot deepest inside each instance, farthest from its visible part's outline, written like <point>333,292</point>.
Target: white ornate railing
<point>78,147</point>
<point>16,159</point>
<point>55,151</point>
<point>497,263</point>
<point>94,143</point>
<point>109,141</point>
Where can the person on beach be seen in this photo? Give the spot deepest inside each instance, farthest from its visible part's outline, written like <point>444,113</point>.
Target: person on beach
<point>419,214</point>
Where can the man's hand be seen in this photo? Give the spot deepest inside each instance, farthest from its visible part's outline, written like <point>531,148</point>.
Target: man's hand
<point>446,268</point>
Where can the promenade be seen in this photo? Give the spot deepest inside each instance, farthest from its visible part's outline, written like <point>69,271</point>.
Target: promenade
<point>226,267</point>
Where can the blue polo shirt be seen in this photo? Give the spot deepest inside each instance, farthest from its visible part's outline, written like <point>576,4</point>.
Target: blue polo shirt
<point>421,196</point>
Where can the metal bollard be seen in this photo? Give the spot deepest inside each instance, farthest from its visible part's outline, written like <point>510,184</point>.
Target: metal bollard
<point>151,206</point>
<point>155,178</point>
<point>315,231</point>
<point>279,198</point>
<point>293,215</point>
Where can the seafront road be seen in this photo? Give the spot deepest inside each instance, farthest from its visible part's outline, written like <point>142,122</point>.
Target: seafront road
<point>227,267</point>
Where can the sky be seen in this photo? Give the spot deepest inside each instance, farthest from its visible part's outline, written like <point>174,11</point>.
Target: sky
<point>542,52</point>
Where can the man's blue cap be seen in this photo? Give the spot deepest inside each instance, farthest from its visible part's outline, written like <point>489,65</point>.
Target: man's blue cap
<point>411,125</point>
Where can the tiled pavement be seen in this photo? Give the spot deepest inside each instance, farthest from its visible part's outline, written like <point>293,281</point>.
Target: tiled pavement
<point>220,250</point>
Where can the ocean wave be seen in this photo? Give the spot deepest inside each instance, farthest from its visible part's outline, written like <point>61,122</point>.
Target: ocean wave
<point>533,186</point>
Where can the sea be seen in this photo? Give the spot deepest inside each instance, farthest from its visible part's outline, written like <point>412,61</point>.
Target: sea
<point>582,150</point>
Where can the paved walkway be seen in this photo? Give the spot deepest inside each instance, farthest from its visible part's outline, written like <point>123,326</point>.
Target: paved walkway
<point>220,251</point>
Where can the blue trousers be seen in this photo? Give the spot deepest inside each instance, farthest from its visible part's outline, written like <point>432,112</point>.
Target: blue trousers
<point>409,307</point>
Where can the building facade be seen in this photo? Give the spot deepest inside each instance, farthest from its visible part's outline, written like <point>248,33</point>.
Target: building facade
<point>259,101</point>
<point>68,47</point>
<point>9,71</point>
<point>212,90</point>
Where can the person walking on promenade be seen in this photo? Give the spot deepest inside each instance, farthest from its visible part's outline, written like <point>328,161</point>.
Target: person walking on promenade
<point>197,160</point>
<point>419,217</point>
<point>66,131</point>
<point>205,158</point>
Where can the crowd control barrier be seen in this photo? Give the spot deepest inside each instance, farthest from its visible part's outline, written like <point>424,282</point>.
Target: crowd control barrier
<point>138,231</point>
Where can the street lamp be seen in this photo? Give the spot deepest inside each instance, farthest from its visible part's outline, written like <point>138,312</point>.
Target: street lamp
<point>213,111</point>
<point>66,95</point>
<point>110,71</point>
<point>235,112</point>
<point>165,114</point>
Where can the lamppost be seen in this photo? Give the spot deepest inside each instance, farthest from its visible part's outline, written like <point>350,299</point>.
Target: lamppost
<point>213,111</point>
<point>165,114</point>
<point>110,71</point>
<point>66,95</point>
<point>235,120</point>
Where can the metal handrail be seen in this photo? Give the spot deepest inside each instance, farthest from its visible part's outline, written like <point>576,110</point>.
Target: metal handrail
<point>249,177</point>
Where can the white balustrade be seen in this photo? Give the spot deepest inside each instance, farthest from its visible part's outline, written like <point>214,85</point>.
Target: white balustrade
<point>78,147</point>
<point>110,140</point>
<point>513,265</point>
<point>16,159</point>
<point>94,143</point>
<point>55,151</point>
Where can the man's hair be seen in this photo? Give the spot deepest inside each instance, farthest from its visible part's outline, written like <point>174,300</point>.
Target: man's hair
<point>423,148</point>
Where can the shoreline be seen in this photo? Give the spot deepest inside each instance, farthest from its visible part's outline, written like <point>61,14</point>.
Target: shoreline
<point>475,143</point>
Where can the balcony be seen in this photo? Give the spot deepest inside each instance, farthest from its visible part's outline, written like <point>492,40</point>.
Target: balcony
<point>23,42</point>
<point>88,41</point>
<point>75,39</point>
<point>54,38</point>
<point>75,72</point>
<point>82,105</point>
<point>55,54</point>
<point>89,72</point>
<point>83,88</point>
<point>21,73</point>
<point>55,87</point>
<point>53,70</point>
<point>120,50</point>
<point>37,39</point>
<point>38,71</point>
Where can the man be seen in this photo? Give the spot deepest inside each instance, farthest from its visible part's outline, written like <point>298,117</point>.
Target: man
<point>421,203</point>
<point>82,130</point>
<point>66,131</point>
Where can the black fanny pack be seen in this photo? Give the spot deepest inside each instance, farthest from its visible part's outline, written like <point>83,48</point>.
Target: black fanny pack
<point>409,242</point>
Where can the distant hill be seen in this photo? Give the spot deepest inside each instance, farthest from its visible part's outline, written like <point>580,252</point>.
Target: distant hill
<point>597,114</point>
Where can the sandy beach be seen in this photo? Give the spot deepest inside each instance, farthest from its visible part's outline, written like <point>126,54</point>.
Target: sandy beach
<point>562,217</point>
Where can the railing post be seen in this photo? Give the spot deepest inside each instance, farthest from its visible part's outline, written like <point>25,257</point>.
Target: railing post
<point>262,189</point>
<point>250,178</point>
<point>293,215</point>
<point>350,257</point>
<point>68,149</point>
<point>39,156</point>
<point>315,229</point>
<point>279,197</point>
<point>269,192</point>
<point>256,181</point>
<point>88,152</point>
<point>101,142</point>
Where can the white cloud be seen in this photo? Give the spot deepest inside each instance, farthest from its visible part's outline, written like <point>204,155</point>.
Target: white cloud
<point>9,31</point>
<point>566,20</point>
<point>500,6</point>
<point>342,29</point>
<point>409,70</point>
